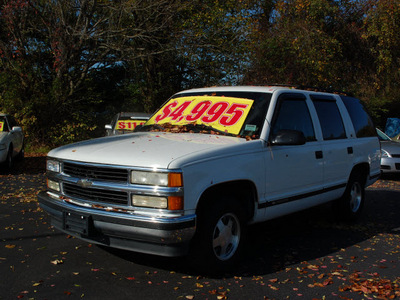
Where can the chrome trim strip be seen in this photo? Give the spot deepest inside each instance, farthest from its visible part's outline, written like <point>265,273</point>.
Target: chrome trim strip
<point>155,219</point>
<point>123,187</point>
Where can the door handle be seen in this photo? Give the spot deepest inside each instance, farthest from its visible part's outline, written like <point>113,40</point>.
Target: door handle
<point>350,150</point>
<point>319,155</point>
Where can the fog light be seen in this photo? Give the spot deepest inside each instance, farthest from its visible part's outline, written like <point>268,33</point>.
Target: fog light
<point>149,201</point>
<point>53,185</point>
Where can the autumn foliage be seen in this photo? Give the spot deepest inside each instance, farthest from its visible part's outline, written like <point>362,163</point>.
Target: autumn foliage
<point>68,65</point>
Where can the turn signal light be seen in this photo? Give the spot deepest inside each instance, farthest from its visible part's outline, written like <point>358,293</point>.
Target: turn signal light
<point>175,180</point>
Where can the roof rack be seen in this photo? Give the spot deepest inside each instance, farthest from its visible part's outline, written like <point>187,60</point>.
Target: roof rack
<point>326,90</point>
<point>313,88</point>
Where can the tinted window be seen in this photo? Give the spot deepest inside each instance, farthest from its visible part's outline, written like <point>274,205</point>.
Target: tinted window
<point>362,123</point>
<point>330,119</point>
<point>293,114</point>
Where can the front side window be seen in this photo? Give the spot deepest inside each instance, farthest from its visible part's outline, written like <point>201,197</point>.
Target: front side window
<point>329,118</point>
<point>293,114</point>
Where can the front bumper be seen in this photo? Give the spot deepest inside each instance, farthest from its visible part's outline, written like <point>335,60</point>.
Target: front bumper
<point>390,165</point>
<point>160,236</point>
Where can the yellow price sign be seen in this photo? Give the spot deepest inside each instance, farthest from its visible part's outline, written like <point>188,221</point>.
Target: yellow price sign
<point>128,124</point>
<point>1,126</point>
<point>226,114</point>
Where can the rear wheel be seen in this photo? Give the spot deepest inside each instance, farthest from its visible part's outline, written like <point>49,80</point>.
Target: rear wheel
<point>9,162</point>
<point>21,153</point>
<point>220,234</point>
<point>350,205</point>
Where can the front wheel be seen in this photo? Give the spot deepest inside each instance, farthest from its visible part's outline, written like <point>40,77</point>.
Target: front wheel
<point>350,205</point>
<point>219,238</point>
<point>226,236</point>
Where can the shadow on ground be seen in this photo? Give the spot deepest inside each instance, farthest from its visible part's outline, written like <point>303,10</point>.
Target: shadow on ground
<point>275,245</point>
<point>31,164</point>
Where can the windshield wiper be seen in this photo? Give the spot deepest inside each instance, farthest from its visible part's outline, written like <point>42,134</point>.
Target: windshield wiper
<point>187,128</point>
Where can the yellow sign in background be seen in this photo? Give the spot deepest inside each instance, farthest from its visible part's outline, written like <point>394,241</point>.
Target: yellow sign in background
<point>226,114</point>
<point>1,126</point>
<point>128,124</point>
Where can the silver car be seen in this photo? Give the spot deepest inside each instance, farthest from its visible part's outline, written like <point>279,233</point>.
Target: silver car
<point>11,141</point>
<point>390,162</point>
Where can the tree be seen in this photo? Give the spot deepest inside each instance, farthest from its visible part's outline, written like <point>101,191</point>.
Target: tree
<point>343,45</point>
<point>52,52</point>
<point>65,61</point>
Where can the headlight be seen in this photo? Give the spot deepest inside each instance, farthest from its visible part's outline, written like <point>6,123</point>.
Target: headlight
<point>384,153</point>
<point>156,178</point>
<point>53,166</point>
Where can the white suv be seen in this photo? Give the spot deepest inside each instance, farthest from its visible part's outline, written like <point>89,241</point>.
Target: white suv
<point>209,162</point>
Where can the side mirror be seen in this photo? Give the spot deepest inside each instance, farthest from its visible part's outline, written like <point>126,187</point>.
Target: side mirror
<point>17,129</point>
<point>288,137</point>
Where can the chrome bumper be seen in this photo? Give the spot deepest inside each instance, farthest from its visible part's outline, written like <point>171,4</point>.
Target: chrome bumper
<point>160,236</point>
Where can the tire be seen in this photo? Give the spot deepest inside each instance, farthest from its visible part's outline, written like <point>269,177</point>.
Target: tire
<point>220,235</point>
<point>350,205</point>
<point>9,162</point>
<point>21,154</point>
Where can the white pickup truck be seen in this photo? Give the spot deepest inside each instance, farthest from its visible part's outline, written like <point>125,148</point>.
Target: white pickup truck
<point>209,162</point>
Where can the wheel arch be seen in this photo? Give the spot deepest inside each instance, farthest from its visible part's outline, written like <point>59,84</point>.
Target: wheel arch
<point>363,169</point>
<point>244,190</point>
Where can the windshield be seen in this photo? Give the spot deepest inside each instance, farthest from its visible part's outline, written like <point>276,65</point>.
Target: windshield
<point>231,113</point>
<point>3,126</point>
<point>382,136</point>
<point>129,123</point>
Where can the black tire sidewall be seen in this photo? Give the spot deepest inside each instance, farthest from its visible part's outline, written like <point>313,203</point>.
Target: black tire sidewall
<point>344,203</point>
<point>202,247</point>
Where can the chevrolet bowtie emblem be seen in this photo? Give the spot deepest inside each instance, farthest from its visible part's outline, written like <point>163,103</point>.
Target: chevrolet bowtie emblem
<point>85,183</point>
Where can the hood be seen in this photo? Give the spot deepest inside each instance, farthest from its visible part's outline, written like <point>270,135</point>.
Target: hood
<point>150,149</point>
<point>391,147</point>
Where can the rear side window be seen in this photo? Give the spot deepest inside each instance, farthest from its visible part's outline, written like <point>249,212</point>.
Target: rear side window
<point>293,114</point>
<point>329,118</point>
<point>362,122</point>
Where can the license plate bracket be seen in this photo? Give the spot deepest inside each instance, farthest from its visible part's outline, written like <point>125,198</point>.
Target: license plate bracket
<point>77,223</point>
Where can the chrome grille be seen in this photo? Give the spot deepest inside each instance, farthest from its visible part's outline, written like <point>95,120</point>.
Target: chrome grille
<point>96,195</point>
<point>97,173</point>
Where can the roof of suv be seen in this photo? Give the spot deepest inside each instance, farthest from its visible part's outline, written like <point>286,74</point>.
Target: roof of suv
<point>268,89</point>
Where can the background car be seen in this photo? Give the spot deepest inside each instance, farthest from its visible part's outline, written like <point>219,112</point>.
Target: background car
<point>390,162</point>
<point>11,141</point>
<point>126,122</point>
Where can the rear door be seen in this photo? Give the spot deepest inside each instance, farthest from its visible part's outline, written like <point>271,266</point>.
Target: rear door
<point>337,148</point>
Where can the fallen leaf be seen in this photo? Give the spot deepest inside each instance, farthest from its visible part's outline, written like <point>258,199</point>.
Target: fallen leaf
<point>57,262</point>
